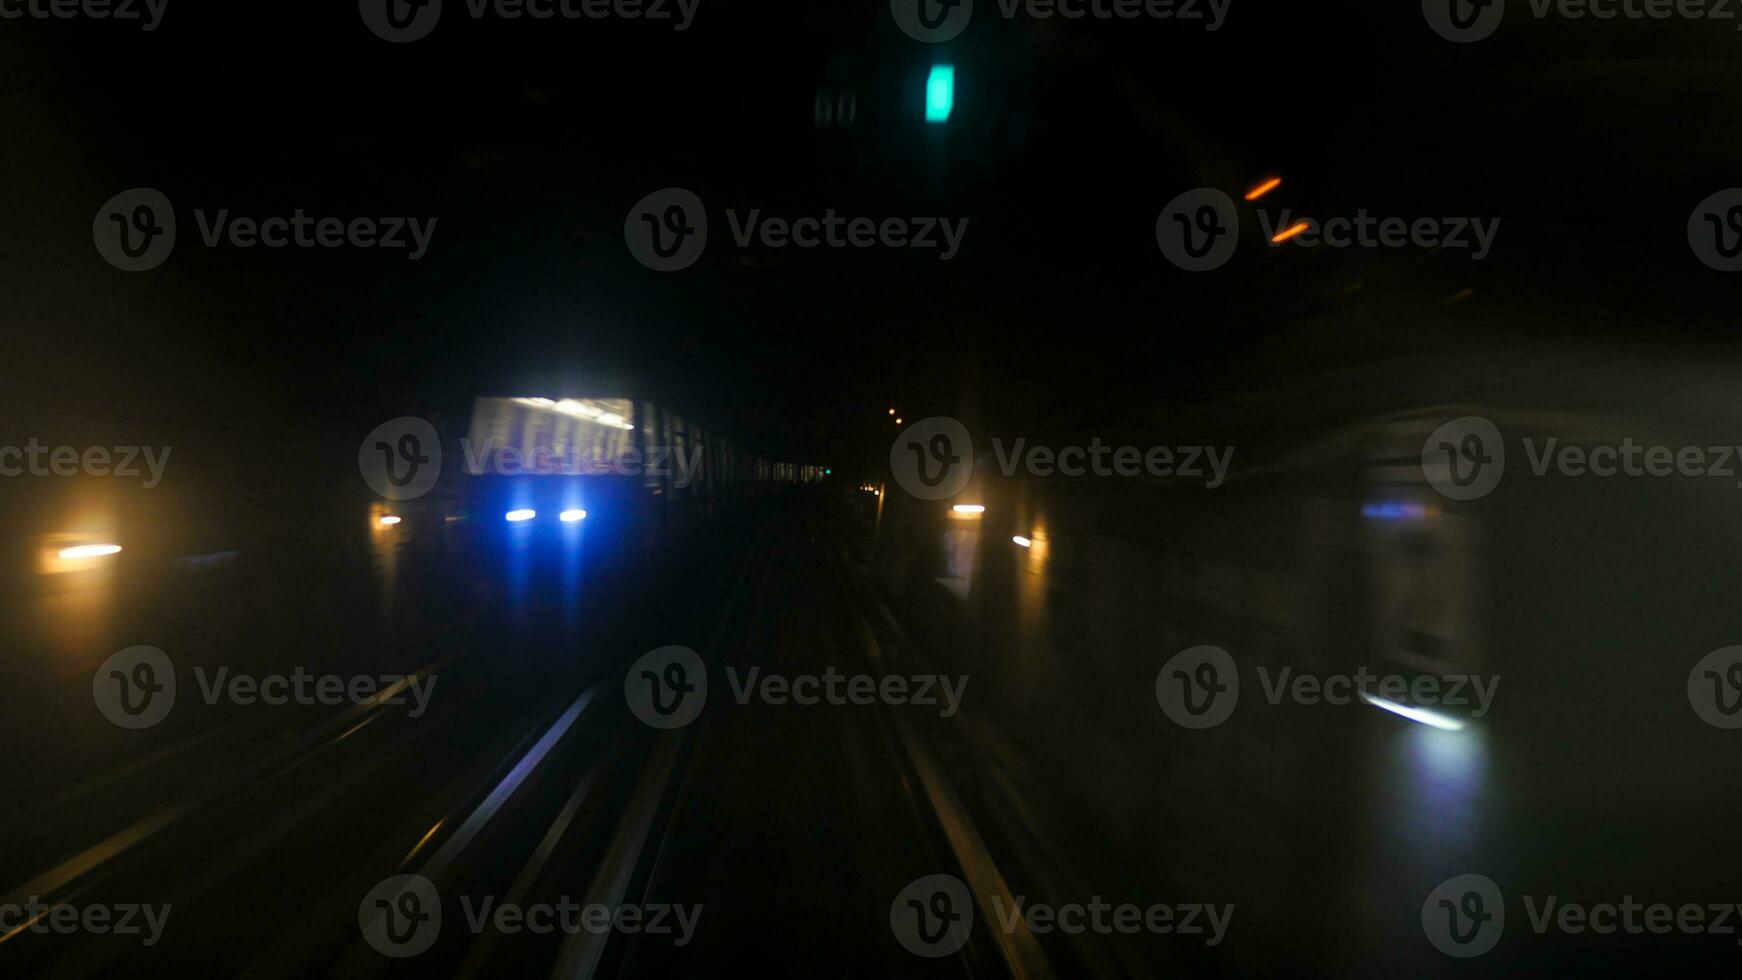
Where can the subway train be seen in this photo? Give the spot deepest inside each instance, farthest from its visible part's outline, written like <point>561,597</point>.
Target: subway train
<point>548,510</point>
<point>538,459</point>
<point>619,479</point>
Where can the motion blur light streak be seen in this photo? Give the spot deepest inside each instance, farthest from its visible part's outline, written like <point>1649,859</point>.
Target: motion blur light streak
<point>571,516</point>
<point>1022,541</point>
<point>523,514</point>
<point>90,551</point>
<point>969,509</point>
<point>1263,189</point>
<point>1289,232</point>
<point>1420,716</point>
<point>390,520</point>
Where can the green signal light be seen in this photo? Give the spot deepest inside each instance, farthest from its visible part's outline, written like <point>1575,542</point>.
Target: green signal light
<point>940,93</point>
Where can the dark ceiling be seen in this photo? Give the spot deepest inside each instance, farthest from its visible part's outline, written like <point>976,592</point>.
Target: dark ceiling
<point>530,141</point>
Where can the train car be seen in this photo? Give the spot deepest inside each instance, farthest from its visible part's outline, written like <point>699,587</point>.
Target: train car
<point>535,481</point>
<point>663,464</point>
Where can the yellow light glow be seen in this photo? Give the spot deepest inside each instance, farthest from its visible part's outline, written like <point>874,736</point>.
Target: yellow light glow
<point>969,508</point>
<point>390,520</point>
<point>1022,542</point>
<point>90,551</point>
<point>897,421</point>
<point>892,411</point>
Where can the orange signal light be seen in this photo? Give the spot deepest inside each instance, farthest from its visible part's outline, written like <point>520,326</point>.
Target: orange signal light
<point>1263,189</point>
<point>1289,232</point>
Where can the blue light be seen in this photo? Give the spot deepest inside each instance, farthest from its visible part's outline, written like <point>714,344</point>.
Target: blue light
<point>523,514</point>
<point>1392,510</point>
<point>940,93</point>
